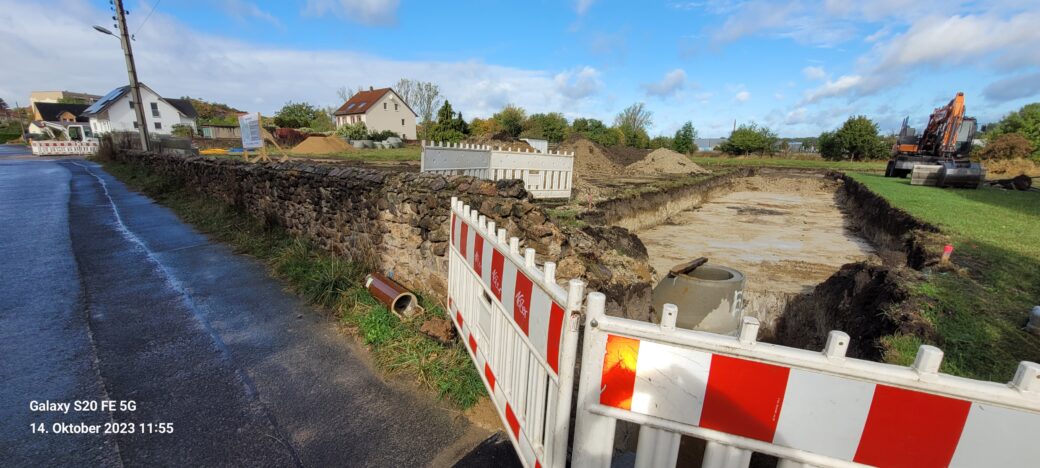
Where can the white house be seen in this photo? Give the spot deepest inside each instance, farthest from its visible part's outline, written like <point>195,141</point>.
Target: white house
<point>115,112</point>
<point>380,109</point>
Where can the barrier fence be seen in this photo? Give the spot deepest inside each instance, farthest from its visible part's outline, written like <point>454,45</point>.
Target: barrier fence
<point>521,330</point>
<point>805,407</point>
<point>50,148</point>
<point>545,175</point>
<point>741,396</point>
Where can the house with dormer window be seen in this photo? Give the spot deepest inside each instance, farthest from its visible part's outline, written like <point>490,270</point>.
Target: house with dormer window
<point>380,109</point>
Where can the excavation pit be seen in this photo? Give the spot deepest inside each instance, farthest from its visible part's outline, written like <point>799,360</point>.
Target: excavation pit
<point>786,233</point>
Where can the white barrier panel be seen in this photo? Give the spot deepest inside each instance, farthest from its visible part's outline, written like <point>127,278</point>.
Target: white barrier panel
<point>521,330</point>
<point>55,147</point>
<point>807,408</point>
<point>545,175</point>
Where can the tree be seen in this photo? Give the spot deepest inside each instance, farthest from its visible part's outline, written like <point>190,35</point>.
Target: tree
<point>296,115</point>
<point>450,126</point>
<point>484,127</point>
<point>3,105</point>
<point>354,131</point>
<point>683,141</point>
<point>598,132</point>
<point>322,121</point>
<point>552,127</point>
<point>661,141</point>
<point>634,137</point>
<point>749,138</point>
<point>511,118</point>
<point>423,97</point>
<point>1025,121</point>
<point>1007,146</point>
<point>634,117</point>
<point>857,140</point>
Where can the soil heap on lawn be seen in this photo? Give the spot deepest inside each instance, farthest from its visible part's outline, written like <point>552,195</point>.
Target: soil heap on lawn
<point>322,145</point>
<point>590,157</point>
<point>665,161</point>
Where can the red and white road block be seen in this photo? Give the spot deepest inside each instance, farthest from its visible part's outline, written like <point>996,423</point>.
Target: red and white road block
<point>815,408</point>
<point>50,148</point>
<point>521,330</point>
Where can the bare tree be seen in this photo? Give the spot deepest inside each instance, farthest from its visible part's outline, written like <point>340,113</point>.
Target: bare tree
<point>347,92</point>
<point>423,97</point>
<point>635,117</point>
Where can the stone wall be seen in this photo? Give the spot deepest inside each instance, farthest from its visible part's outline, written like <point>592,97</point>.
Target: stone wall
<point>387,220</point>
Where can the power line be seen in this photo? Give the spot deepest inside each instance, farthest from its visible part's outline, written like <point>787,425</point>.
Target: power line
<point>149,15</point>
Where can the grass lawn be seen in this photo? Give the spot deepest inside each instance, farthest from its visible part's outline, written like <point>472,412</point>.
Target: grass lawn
<point>325,281</point>
<point>726,161</point>
<point>979,315</point>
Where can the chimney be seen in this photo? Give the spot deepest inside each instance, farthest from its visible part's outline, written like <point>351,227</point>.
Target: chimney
<point>371,88</point>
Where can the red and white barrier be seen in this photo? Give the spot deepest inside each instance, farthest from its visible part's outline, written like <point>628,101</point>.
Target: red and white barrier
<point>802,406</point>
<point>54,147</point>
<point>521,330</point>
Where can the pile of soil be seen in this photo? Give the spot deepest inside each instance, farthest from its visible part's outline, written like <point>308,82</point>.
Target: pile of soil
<point>322,145</point>
<point>1011,167</point>
<point>590,157</point>
<point>665,161</point>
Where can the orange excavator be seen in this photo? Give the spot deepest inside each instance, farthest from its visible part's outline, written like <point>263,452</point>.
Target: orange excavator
<point>946,142</point>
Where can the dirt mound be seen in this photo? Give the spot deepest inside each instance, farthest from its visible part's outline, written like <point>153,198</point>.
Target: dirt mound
<point>665,161</point>
<point>322,145</point>
<point>590,157</point>
<point>1011,168</point>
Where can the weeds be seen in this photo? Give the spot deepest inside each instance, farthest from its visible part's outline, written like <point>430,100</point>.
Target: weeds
<point>323,280</point>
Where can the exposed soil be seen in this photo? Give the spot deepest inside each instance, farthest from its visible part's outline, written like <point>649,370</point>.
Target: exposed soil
<point>665,161</point>
<point>322,145</point>
<point>786,234</point>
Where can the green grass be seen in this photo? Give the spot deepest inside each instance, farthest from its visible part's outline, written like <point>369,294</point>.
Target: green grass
<point>801,163</point>
<point>979,314</point>
<point>325,281</point>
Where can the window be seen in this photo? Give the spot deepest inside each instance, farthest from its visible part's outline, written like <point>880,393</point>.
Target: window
<point>158,125</point>
<point>131,105</point>
<point>155,109</point>
<point>135,124</point>
<point>384,106</point>
<point>395,106</point>
<point>402,122</point>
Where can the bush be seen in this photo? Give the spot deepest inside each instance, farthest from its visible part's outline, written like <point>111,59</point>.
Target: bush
<point>856,140</point>
<point>1025,122</point>
<point>1007,146</point>
<point>747,139</point>
<point>354,131</point>
<point>183,130</point>
<point>383,135</point>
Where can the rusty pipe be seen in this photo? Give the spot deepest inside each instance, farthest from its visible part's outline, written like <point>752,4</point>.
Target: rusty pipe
<point>395,297</point>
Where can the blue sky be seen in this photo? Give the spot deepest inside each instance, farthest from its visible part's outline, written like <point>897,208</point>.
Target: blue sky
<point>796,66</point>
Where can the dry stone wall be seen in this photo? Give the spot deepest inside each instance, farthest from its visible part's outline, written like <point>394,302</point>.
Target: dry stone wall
<point>387,220</point>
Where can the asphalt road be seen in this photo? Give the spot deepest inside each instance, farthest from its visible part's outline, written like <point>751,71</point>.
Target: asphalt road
<point>106,296</point>
<point>14,152</point>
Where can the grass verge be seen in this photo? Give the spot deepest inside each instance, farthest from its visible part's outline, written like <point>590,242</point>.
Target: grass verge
<point>751,161</point>
<point>979,314</point>
<point>326,281</point>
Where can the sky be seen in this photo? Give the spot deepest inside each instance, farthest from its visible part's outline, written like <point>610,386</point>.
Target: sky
<point>798,67</point>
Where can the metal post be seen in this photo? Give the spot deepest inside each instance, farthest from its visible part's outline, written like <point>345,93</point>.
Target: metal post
<point>131,69</point>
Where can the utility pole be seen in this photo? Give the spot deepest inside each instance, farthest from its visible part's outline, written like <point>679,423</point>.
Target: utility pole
<point>131,69</point>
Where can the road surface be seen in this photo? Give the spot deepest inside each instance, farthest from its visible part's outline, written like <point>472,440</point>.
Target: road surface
<point>14,152</point>
<point>106,296</point>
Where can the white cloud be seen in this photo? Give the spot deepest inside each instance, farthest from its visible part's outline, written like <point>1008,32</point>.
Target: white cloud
<point>1009,42</point>
<point>176,60</point>
<point>842,85</point>
<point>742,96</point>
<point>672,83</point>
<point>578,84</point>
<point>814,72</point>
<point>244,10</point>
<point>1013,87</point>
<point>582,6</point>
<point>370,12</point>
